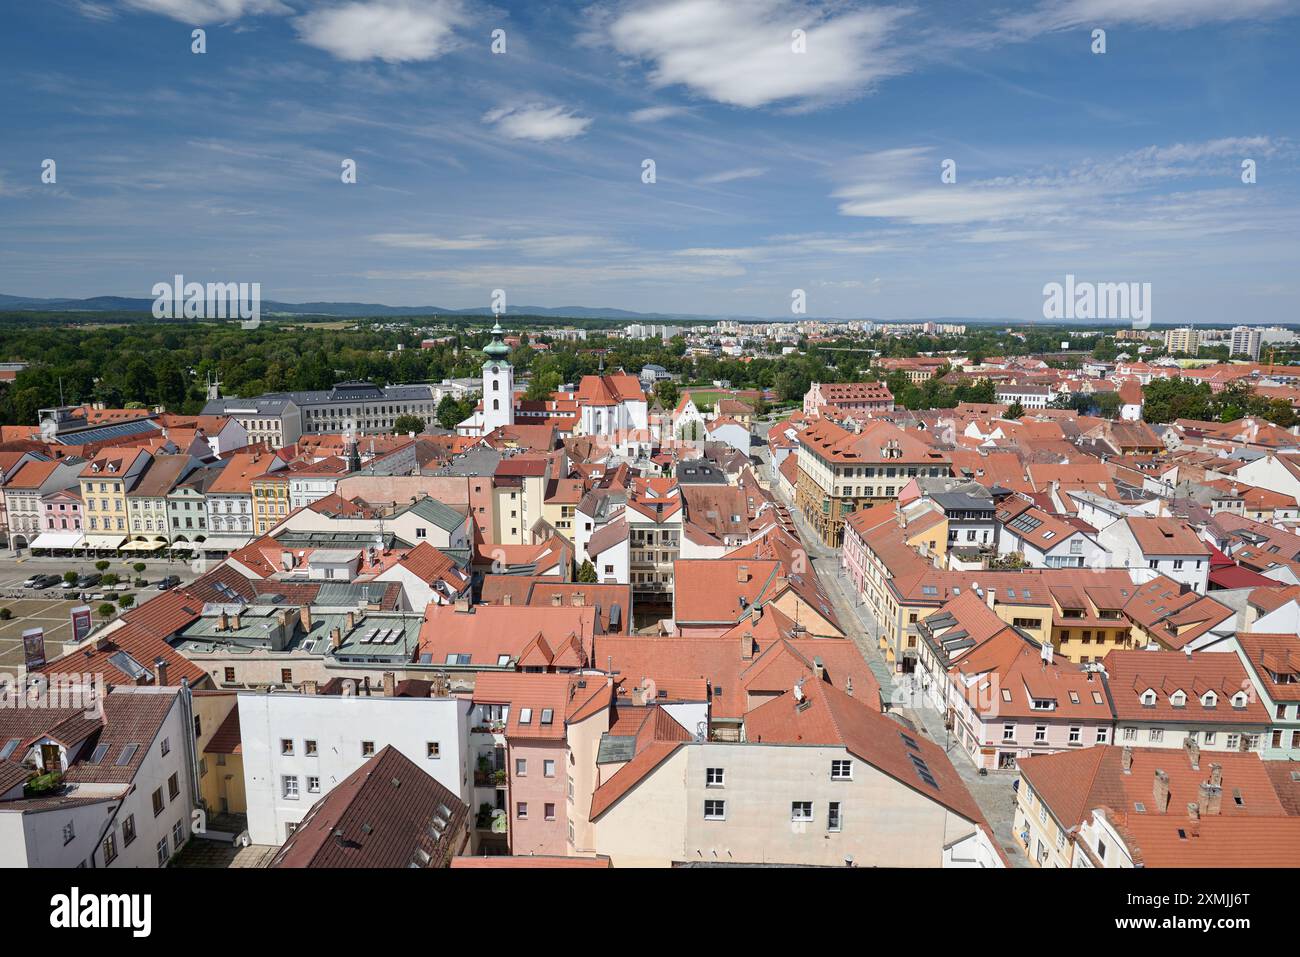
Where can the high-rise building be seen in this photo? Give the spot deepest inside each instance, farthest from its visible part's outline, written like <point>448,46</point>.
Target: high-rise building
<point>1245,342</point>
<point>1185,340</point>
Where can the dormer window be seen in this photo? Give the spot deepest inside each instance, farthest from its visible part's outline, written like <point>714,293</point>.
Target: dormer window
<point>1209,700</point>
<point>1178,699</point>
<point>1149,698</point>
<point>1239,699</point>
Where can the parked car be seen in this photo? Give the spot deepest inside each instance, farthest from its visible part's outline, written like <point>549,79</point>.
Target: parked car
<point>31,582</point>
<point>88,581</point>
<point>47,581</point>
<point>171,581</point>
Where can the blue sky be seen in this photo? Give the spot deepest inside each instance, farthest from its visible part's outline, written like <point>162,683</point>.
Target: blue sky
<point>775,170</point>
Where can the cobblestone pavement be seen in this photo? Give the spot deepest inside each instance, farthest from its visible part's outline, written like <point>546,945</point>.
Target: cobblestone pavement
<point>992,792</point>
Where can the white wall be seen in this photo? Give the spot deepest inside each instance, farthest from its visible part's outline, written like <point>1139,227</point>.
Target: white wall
<point>338,725</point>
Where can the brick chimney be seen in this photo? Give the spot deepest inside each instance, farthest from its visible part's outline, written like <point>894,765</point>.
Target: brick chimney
<point>819,669</point>
<point>1193,812</point>
<point>747,646</point>
<point>223,622</point>
<point>304,615</point>
<point>390,684</point>
<point>557,600</point>
<point>579,600</point>
<point>1211,798</point>
<point>742,574</point>
<point>1126,758</point>
<point>1193,751</point>
<point>506,601</point>
<point>160,671</point>
<point>351,620</point>
<point>639,694</point>
<point>336,637</point>
<point>309,687</point>
<point>1216,775</point>
<point>235,620</point>
<point>1160,791</point>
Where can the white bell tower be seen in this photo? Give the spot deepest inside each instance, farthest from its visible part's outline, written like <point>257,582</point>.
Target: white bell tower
<point>498,383</point>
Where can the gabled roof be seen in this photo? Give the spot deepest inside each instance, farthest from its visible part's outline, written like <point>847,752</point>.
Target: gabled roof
<point>822,714</point>
<point>388,813</point>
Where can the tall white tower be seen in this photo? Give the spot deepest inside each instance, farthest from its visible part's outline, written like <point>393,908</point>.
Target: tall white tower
<point>498,383</point>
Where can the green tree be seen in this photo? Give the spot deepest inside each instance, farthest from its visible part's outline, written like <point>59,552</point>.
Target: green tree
<point>408,423</point>
<point>452,411</point>
<point>1165,400</point>
<point>1015,411</point>
<point>587,572</point>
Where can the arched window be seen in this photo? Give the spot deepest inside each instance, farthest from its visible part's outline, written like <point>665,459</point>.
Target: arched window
<point>496,405</point>
<point>496,385</point>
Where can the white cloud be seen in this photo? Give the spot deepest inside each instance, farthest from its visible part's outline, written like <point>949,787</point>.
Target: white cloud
<point>731,175</point>
<point>196,11</point>
<point>538,123</point>
<point>395,31</point>
<point>741,52</point>
<point>1169,14</point>
<point>529,246</point>
<point>653,114</point>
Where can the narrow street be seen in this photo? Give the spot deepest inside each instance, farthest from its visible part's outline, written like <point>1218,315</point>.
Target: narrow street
<point>992,792</point>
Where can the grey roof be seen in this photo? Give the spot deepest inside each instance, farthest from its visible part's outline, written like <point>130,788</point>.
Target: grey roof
<point>477,461</point>
<point>103,433</point>
<point>442,515</point>
<point>273,403</point>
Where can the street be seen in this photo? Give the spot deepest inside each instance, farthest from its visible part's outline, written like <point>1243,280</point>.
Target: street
<point>993,791</point>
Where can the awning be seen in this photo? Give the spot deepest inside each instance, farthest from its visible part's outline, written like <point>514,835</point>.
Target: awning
<point>57,540</point>
<point>218,543</point>
<point>142,546</point>
<point>104,541</point>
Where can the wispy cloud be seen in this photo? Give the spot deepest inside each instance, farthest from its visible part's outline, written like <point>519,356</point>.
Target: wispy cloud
<point>731,175</point>
<point>1167,14</point>
<point>653,114</point>
<point>196,11</point>
<point>536,122</point>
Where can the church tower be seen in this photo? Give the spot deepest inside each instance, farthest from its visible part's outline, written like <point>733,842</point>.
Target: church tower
<point>498,383</point>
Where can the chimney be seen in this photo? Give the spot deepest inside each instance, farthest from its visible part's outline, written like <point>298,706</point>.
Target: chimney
<point>742,574</point>
<point>1193,812</point>
<point>1160,791</point>
<point>747,646</point>
<point>1216,775</point>
<point>819,669</point>
<point>1211,798</point>
<point>440,685</point>
<point>223,622</point>
<point>336,637</point>
<point>160,672</point>
<point>304,615</point>
<point>557,601</point>
<point>309,687</point>
<point>756,613</point>
<point>1193,752</point>
<point>579,600</point>
<point>390,684</point>
<point>1126,758</point>
<point>463,606</point>
<point>506,601</point>
<point>351,620</point>
<point>638,694</point>
<point>234,621</point>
